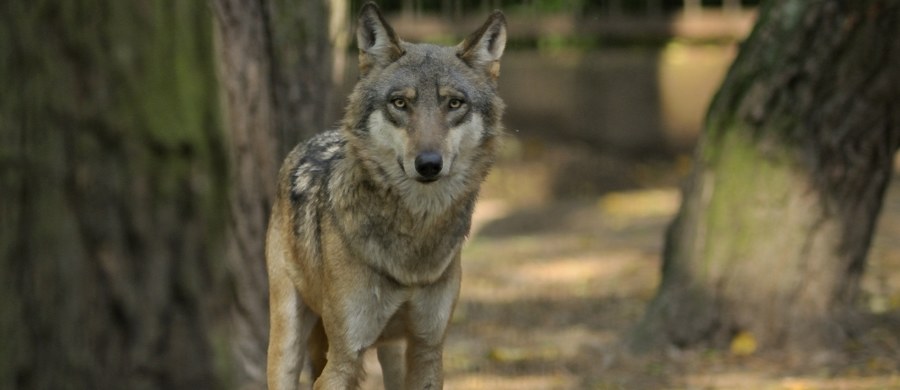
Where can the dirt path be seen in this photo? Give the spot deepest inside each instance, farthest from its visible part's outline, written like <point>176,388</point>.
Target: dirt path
<point>548,294</point>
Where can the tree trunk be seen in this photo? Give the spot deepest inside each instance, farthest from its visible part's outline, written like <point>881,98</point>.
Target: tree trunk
<point>276,62</point>
<point>111,170</point>
<point>772,236</point>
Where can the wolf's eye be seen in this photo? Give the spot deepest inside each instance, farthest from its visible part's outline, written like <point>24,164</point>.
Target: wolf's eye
<point>455,103</point>
<point>399,103</point>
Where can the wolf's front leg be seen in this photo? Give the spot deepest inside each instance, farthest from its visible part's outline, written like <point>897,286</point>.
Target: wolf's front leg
<point>360,305</point>
<point>425,365</point>
<point>291,321</point>
<point>344,370</point>
<point>348,338</point>
<point>393,365</point>
<point>430,312</point>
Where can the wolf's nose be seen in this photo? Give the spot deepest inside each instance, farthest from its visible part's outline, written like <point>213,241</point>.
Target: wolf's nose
<point>429,164</point>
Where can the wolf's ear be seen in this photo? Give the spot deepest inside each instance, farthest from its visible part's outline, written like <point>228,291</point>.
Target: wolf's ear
<point>377,42</point>
<point>482,50</point>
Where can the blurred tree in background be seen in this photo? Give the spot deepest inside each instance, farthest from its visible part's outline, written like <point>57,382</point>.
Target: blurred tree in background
<point>777,218</point>
<point>113,187</point>
<point>121,194</point>
<point>276,61</point>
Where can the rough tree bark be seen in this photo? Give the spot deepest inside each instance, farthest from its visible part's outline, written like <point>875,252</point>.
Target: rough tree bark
<point>778,214</point>
<point>111,169</point>
<point>276,60</point>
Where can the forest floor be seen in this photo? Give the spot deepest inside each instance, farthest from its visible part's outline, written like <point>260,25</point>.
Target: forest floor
<point>559,271</point>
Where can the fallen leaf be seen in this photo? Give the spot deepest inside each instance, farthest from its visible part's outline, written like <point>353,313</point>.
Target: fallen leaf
<point>743,344</point>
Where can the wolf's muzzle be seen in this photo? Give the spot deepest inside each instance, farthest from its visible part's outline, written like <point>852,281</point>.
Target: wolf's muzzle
<point>429,165</point>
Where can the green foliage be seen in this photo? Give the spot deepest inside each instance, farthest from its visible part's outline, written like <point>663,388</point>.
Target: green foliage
<point>546,6</point>
<point>552,42</point>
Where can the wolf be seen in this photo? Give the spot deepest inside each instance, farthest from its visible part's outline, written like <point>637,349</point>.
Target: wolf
<point>363,245</point>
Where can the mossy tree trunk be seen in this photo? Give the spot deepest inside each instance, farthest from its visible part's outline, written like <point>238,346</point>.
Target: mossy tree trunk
<point>777,217</point>
<point>276,59</point>
<point>112,175</point>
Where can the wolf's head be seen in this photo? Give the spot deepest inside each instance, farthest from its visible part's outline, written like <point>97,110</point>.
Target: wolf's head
<point>424,117</point>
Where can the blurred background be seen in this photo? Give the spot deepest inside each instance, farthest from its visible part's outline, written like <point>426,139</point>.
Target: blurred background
<point>140,142</point>
<point>601,96</point>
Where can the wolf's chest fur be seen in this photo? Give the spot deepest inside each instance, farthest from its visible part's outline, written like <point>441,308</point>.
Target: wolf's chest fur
<point>331,187</point>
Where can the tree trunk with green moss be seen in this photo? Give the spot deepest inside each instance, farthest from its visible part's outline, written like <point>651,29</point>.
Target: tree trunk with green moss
<point>778,214</point>
<point>112,172</point>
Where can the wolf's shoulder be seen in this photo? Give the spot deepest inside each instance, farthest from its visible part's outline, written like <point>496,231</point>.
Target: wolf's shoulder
<point>311,162</point>
<point>321,148</point>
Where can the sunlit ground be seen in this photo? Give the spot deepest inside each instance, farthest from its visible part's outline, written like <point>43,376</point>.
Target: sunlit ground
<point>550,289</point>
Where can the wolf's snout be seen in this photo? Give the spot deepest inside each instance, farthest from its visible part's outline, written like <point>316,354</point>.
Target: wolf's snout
<point>429,164</point>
